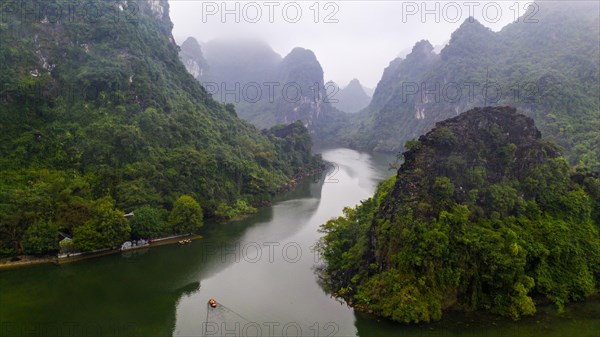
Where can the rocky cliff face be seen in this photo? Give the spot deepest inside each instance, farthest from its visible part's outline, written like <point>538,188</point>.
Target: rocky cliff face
<point>303,91</point>
<point>473,165</point>
<point>482,215</point>
<point>544,69</point>
<point>265,88</point>
<point>192,57</point>
<point>396,109</point>
<point>497,140</point>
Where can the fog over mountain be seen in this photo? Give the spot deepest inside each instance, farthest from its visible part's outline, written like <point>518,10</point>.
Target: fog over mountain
<point>450,171</point>
<point>351,98</point>
<point>549,70</point>
<point>384,28</point>
<point>265,88</point>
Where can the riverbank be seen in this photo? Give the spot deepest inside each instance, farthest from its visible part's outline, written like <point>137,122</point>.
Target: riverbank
<point>317,169</point>
<point>27,260</point>
<point>546,311</point>
<point>241,264</point>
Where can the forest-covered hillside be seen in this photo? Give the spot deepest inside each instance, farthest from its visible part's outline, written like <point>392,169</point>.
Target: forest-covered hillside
<point>547,68</point>
<point>100,118</point>
<point>483,214</point>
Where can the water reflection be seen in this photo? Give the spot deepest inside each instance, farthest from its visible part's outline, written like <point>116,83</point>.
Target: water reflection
<point>579,319</point>
<point>108,296</point>
<point>272,283</point>
<point>250,266</point>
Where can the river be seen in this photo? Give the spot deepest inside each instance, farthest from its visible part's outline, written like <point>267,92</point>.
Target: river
<point>260,270</point>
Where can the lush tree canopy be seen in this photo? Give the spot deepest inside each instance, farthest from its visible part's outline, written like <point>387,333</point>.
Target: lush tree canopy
<point>186,216</point>
<point>148,223</point>
<point>492,220</point>
<point>107,228</point>
<point>547,70</point>
<point>110,112</point>
<point>41,238</point>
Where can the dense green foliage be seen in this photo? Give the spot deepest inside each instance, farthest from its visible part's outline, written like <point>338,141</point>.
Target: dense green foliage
<point>547,69</point>
<point>241,208</point>
<point>149,223</point>
<point>482,215</point>
<point>40,238</point>
<point>106,228</point>
<point>100,110</point>
<point>186,216</point>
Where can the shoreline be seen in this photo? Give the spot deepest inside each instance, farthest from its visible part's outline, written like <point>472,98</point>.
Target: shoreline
<point>28,260</point>
<point>545,307</point>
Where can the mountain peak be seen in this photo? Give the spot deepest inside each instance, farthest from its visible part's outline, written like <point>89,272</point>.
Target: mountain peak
<point>352,98</point>
<point>423,46</point>
<point>193,58</point>
<point>354,83</point>
<point>191,44</point>
<point>160,8</point>
<point>471,22</point>
<point>470,36</point>
<point>299,53</point>
<point>300,58</point>
<point>146,113</point>
<point>481,184</point>
<point>472,25</point>
<point>421,50</point>
<point>191,41</point>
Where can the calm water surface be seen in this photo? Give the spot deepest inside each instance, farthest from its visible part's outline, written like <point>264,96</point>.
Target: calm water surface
<point>260,270</point>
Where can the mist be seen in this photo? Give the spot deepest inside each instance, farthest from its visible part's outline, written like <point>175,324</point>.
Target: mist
<point>351,39</point>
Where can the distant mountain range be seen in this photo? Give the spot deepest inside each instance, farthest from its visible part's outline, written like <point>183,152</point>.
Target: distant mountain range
<point>549,70</point>
<point>265,88</point>
<point>352,98</point>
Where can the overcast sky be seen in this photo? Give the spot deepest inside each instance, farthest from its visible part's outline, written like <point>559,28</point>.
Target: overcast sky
<point>351,39</point>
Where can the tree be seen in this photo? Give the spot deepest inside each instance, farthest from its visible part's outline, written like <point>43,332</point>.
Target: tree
<point>172,139</point>
<point>148,222</point>
<point>107,228</point>
<point>41,238</point>
<point>443,191</point>
<point>509,223</point>
<point>186,215</point>
<point>87,238</point>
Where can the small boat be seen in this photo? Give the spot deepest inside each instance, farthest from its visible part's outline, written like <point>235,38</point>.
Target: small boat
<point>212,303</point>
